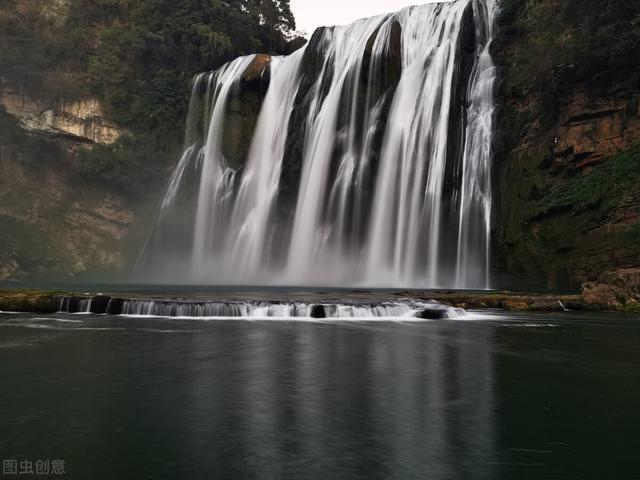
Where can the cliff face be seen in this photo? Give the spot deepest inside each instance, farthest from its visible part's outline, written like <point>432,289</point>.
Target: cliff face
<point>53,224</point>
<point>52,228</point>
<point>82,119</point>
<point>568,154</point>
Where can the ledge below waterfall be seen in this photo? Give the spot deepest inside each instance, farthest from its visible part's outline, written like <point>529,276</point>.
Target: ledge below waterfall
<point>337,304</point>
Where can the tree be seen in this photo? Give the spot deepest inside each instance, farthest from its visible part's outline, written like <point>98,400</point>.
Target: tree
<point>275,21</point>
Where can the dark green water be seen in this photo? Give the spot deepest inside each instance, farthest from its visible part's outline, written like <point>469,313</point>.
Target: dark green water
<point>507,397</point>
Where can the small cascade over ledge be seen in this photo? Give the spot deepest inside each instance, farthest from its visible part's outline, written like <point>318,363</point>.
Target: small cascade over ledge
<point>220,309</point>
<point>363,158</point>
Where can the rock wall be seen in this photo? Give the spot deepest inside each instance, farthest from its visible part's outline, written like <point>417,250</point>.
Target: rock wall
<point>83,119</point>
<point>568,159</point>
<point>54,225</point>
<point>594,126</point>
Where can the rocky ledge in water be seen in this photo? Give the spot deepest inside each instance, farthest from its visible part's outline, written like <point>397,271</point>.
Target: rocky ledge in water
<point>614,291</point>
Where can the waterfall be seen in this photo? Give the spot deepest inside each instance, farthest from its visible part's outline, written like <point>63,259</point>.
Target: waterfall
<point>405,309</point>
<point>289,310</point>
<point>369,161</point>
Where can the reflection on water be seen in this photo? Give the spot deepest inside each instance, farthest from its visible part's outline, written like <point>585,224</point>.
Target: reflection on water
<point>153,398</point>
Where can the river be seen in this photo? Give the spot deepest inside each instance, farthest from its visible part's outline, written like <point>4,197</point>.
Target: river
<point>493,396</point>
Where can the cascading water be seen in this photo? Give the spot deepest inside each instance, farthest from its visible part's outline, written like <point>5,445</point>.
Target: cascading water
<point>220,309</point>
<point>369,162</point>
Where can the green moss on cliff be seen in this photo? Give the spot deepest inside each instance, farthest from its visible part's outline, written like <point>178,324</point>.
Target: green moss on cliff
<point>25,251</point>
<point>557,229</point>
<point>605,186</point>
<point>29,301</point>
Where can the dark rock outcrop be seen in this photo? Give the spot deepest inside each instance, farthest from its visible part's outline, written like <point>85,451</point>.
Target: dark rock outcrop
<point>29,301</point>
<point>243,111</point>
<point>115,306</point>
<point>318,311</point>
<point>432,314</point>
<point>99,304</point>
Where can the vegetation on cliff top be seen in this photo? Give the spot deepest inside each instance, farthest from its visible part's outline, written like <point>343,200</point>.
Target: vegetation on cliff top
<point>138,57</point>
<point>560,42</point>
<point>546,47</point>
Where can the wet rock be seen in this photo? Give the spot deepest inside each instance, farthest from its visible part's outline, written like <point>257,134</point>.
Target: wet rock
<point>72,304</point>
<point>243,111</point>
<point>30,301</point>
<point>99,304</point>
<point>115,306</point>
<point>318,311</point>
<point>515,305</point>
<point>600,295</point>
<point>432,314</point>
<point>256,71</point>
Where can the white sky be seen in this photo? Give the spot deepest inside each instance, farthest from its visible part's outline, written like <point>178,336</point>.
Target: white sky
<point>311,14</point>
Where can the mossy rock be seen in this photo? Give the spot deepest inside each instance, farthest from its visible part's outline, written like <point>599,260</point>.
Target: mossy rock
<point>29,301</point>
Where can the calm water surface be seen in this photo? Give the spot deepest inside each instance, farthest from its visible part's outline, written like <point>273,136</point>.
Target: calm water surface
<point>500,397</point>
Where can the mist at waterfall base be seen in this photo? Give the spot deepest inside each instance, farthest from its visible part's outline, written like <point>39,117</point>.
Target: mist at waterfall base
<point>369,164</point>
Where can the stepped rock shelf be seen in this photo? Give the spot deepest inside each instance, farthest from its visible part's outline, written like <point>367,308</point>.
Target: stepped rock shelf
<point>342,304</point>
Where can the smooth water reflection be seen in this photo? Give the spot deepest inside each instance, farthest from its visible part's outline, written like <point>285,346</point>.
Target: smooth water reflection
<point>152,398</point>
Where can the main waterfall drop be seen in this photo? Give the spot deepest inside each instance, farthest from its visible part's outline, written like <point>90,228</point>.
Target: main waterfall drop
<point>363,158</point>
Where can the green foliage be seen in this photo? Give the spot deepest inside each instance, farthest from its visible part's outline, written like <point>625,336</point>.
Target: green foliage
<point>148,51</point>
<point>547,47</point>
<point>605,186</point>
<point>138,57</point>
<point>130,165</point>
<point>559,41</point>
<point>37,52</point>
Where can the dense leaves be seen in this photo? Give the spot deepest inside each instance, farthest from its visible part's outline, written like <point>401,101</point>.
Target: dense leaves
<point>561,41</point>
<point>137,56</point>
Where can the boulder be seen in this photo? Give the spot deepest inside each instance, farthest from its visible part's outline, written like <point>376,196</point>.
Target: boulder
<point>99,304</point>
<point>613,289</point>
<point>432,314</point>
<point>318,311</point>
<point>115,306</point>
